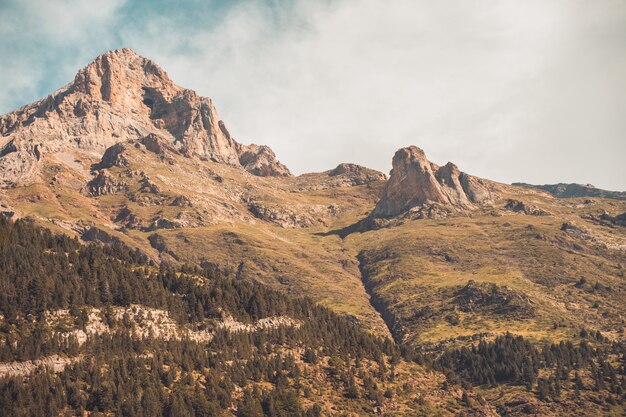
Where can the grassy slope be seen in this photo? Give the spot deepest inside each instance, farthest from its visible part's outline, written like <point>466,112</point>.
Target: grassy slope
<point>415,265</point>
<point>423,263</point>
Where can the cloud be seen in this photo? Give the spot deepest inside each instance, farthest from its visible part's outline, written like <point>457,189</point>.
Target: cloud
<point>508,90</point>
<point>43,42</point>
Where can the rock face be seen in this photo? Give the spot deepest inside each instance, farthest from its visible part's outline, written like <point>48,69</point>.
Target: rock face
<point>118,98</point>
<point>417,182</point>
<point>261,161</point>
<point>357,174</point>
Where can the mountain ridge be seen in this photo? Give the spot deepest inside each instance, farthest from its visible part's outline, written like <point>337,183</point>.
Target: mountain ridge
<point>89,115</point>
<point>573,190</point>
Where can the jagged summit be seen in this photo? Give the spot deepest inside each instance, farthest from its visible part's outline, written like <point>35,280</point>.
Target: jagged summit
<point>121,97</point>
<point>112,75</point>
<point>417,182</point>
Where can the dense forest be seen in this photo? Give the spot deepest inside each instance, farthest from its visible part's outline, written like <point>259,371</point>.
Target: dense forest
<point>277,371</point>
<point>513,360</point>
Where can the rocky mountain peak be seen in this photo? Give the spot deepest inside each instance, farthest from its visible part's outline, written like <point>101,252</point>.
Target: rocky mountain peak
<point>416,182</point>
<point>120,97</point>
<point>121,76</point>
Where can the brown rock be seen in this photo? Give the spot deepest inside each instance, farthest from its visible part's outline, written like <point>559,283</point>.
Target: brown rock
<point>104,183</point>
<point>357,174</point>
<point>261,161</point>
<point>417,182</point>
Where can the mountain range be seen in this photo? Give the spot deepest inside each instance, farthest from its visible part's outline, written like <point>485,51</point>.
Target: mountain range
<point>449,275</point>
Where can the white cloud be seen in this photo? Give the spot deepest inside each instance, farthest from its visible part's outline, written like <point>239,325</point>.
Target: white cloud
<point>42,40</point>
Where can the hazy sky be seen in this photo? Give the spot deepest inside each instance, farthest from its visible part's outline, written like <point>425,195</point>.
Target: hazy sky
<point>513,90</point>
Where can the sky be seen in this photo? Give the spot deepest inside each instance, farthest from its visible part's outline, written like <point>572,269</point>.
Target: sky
<point>509,90</point>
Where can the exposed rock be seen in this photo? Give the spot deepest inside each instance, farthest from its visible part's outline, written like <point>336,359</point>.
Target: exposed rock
<point>280,216</point>
<point>105,183</point>
<point>433,211</point>
<point>417,182</point>
<point>140,322</point>
<point>604,218</point>
<point>181,201</point>
<point>148,186</point>
<point>577,231</point>
<point>344,175</point>
<point>357,174</point>
<point>230,324</point>
<point>114,156</point>
<point>154,144</point>
<point>521,207</point>
<point>129,220</point>
<point>53,363</point>
<point>92,114</point>
<point>295,216</point>
<point>165,223</point>
<point>619,220</point>
<point>7,211</point>
<point>261,161</point>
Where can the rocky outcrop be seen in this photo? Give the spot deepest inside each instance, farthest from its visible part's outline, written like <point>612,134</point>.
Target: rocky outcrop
<point>523,208</point>
<point>343,176</point>
<point>294,217</point>
<point>417,182</point>
<point>261,161</point>
<point>114,156</point>
<point>181,201</point>
<point>619,220</point>
<point>121,98</point>
<point>105,183</point>
<point>356,174</point>
<point>578,232</point>
<point>606,219</point>
<point>52,363</point>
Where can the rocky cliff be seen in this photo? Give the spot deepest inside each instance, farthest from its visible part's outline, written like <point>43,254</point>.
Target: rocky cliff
<point>121,97</point>
<point>415,182</point>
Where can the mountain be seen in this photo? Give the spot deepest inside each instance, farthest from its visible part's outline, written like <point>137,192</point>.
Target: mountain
<point>503,298</point>
<point>562,190</point>
<point>94,112</point>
